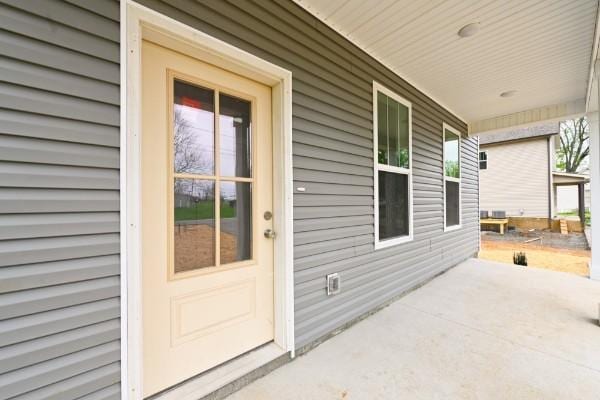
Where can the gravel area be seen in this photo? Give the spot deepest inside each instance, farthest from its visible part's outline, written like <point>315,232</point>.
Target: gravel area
<point>547,239</point>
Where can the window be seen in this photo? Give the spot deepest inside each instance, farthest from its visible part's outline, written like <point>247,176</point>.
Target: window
<point>393,167</point>
<point>451,138</point>
<point>483,160</point>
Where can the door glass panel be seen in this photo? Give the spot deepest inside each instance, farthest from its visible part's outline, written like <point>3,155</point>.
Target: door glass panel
<point>236,221</point>
<point>193,129</point>
<point>235,136</point>
<point>194,233</point>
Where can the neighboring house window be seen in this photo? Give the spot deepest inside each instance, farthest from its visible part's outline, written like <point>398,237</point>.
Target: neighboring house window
<point>392,139</point>
<point>483,160</point>
<point>451,177</point>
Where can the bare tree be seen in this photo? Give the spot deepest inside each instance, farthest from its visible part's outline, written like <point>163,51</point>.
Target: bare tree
<point>574,145</point>
<point>187,157</point>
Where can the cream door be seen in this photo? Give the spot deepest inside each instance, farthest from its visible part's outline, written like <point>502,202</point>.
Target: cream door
<point>207,258</point>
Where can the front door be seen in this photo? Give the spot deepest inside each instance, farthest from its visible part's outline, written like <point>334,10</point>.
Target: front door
<point>206,212</point>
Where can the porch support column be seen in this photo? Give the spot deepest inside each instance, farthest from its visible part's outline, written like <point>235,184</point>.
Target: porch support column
<point>594,158</point>
<point>581,203</point>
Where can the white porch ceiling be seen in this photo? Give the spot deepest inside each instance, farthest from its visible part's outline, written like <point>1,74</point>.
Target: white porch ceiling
<point>541,48</point>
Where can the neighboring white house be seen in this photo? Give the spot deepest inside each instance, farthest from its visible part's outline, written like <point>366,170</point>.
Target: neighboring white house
<point>515,171</point>
<point>517,174</point>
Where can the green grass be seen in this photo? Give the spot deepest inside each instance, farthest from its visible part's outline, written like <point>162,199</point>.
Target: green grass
<point>203,210</point>
<point>588,216</point>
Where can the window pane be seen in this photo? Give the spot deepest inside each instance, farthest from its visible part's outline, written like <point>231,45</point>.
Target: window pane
<point>194,235</point>
<point>382,125</point>
<point>393,124</point>
<point>403,136</point>
<point>452,203</point>
<point>451,155</point>
<point>393,132</point>
<point>236,221</point>
<point>235,136</point>
<point>393,205</point>
<point>193,129</point>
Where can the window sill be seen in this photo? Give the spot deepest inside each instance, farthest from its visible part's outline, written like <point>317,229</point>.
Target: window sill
<point>452,228</point>
<point>382,244</point>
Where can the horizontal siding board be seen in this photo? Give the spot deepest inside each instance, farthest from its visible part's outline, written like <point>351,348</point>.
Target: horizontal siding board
<point>52,80</point>
<point>32,301</point>
<point>16,252</point>
<point>336,111</point>
<point>29,150</point>
<point>332,255</point>
<point>307,162</point>
<point>303,125</point>
<point>35,200</point>
<point>46,225</point>
<point>57,176</point>
<point>317,236</point>
<point>328,188</point>
<point>328,212</point>
<point>315,176</point>
<point>302,251</point>
<point>30,276</point>
<point>352,104</point>
<point>331,155</point>
<point>49,347</point>
<point>68,14</point>
<point>329,143</point>
<point>304,225</point>
<point>22,98</point>
<point>37,52</point>
<point>16,330</point>
<point>106,9</point>
<point>99,384</point>
<point>25,24</point>
<point>44,127</point>
<point>316,200</point>
<point>39,375</point>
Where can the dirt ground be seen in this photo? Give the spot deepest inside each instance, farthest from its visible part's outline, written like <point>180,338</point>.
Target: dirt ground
<point>195,247</point>
<point>565,260</point>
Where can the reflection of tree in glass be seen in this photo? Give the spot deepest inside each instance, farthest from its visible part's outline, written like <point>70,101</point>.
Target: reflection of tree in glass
<point>187,156</point>
<point>452,168</point>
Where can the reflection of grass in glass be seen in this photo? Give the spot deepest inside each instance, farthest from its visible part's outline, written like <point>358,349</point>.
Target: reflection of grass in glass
<point>203,210</point>
<point>452,169</point>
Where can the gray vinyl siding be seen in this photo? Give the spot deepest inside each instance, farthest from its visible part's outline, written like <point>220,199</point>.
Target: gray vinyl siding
<point>333,160</point>
<point>59,199</point>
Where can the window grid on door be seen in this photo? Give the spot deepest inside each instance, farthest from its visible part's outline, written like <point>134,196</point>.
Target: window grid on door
<point>216,178</point>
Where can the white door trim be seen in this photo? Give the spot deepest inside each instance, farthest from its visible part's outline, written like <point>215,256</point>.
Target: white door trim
<point>137,23</point>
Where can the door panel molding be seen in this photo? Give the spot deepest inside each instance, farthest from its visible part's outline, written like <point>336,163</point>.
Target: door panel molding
<point>139,23</point>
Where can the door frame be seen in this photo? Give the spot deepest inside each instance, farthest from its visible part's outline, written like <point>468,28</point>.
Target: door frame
<point>137,23</point>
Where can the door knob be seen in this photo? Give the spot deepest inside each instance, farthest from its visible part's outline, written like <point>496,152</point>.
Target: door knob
<point>269,233</point>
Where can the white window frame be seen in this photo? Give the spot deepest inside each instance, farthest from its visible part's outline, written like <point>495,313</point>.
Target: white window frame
<point>445,127</point>
<point>377,87</point>
<point>479,160</point>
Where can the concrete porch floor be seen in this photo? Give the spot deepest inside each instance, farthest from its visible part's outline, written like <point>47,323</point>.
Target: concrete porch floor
<point>483,330</point>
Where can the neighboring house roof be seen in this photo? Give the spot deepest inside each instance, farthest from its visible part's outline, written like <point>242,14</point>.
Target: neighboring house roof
<point>531,132</point>
<point>566,178</point>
